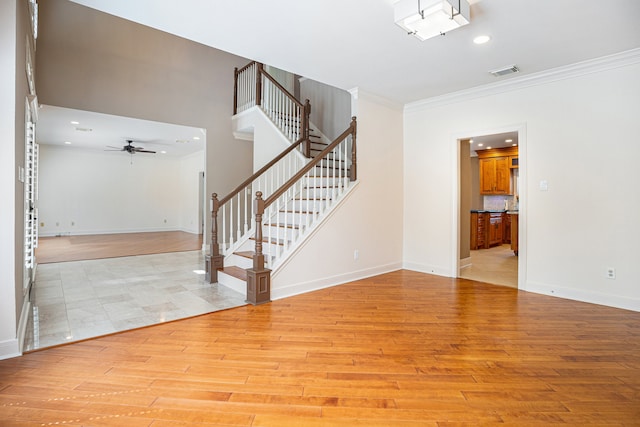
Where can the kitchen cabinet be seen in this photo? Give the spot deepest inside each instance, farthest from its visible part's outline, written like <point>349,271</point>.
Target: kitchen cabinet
<point>495,176</point>
<point>487,229</point>
<point>506,227</point>
<point>514,233</point>
<point>495,229</point>
<point>495,170</point>
<point>478,230</point>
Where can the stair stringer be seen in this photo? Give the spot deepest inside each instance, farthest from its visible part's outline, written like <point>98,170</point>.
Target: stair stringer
<point>308,233</point>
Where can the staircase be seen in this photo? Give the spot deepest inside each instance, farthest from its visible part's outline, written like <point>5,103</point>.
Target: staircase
<point>260,224</point>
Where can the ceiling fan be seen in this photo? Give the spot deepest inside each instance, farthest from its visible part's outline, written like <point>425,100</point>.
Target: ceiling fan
<point>129,148</point>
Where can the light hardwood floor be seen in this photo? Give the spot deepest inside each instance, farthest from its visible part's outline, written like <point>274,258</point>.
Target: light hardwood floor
<point>400,349</point>
<point>76,248</point>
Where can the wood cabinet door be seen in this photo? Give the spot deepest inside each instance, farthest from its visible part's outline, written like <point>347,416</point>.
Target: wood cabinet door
<point>487,175</point>
<point>503,176</point>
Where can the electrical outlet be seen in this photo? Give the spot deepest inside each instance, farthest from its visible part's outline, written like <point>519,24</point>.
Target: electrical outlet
<point>611,273</point>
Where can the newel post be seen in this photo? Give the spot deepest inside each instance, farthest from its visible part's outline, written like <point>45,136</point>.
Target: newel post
<point>354,163</point>
<point>258,277</point>
<point>260,69</point>
<point>215,260</point>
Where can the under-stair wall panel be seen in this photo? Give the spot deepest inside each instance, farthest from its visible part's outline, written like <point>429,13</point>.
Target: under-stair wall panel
<point>369,219</point>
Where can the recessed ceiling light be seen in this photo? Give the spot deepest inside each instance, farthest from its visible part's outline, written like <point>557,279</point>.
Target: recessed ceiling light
<point>163,152</point>
<point>514,145</point>
<point>488,148</point>
<point>68,142</point>
<point>481,39</point>
<point>75,123</point>
<point>480,145</point>
<point>508,140</point>
<point>196,138</point>
<point>471,141</point>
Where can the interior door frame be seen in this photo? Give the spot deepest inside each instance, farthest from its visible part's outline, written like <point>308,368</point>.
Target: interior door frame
<point>521,128</point>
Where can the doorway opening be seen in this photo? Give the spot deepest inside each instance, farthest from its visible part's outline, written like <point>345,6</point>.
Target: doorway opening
<point>489,201</point>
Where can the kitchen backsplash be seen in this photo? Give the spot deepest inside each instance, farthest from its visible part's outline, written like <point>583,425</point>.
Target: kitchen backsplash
<point>497,203</point>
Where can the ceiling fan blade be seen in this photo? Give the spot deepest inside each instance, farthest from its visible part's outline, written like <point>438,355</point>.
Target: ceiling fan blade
<point>115,148</point>
<point>145,151</point>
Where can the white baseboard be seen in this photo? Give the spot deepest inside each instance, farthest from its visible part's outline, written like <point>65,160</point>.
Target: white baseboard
<point>615,301</point>
<point>22,325</point>
<point>465,262</point>
<point>9,349</point>
<point>120,231</point>
<point>425,268</point>
<point>327,282</point>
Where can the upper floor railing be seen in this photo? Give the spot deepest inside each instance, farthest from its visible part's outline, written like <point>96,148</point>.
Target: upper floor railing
<point>254,86</point>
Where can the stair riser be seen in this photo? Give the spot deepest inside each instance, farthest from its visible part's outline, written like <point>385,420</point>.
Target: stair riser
<point>239,261</point>
<point>269,249</point>
<point>324,181</point>
<point>322,192</point>
<point>232,283</point>
<point>330,173</point>
<point>307,205</point>
<point>292,218</point>
<point>280,233</point>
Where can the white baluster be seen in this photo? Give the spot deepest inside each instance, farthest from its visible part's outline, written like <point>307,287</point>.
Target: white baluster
<point>239,221</point>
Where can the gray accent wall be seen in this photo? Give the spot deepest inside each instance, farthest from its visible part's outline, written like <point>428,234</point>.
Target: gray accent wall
<point>93,61</point>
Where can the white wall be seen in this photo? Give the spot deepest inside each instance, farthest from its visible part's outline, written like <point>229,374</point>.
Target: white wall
<point>255,125</point>
<point>8,175</point>
<point>189,192</point>
<point>369,220</point>
<point>581,137</point>
<point>103,192</point>
<point>330,106</point>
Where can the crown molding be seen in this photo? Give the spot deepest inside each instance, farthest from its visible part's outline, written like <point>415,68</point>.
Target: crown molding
<point>357,93</point>
<point>578,69</point>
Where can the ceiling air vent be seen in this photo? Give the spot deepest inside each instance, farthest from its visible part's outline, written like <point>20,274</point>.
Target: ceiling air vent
<point>505,70</point>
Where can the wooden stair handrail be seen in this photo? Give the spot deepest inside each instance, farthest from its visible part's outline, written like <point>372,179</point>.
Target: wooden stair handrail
<point>262,170</point>
<point>351,130</point>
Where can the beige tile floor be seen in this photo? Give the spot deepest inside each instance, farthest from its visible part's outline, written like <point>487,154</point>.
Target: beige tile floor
<point>76,300</point>
<point>497,265</point>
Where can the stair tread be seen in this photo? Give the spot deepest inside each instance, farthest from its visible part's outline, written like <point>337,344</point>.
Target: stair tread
<point>245,254</point>
<point>237,272</point>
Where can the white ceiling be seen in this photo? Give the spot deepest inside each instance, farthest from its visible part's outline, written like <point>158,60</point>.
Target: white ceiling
<point>101,131</point>
<point>355,43</point>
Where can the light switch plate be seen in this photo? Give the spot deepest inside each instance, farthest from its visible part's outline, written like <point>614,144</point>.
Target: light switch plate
<point>544,185</point>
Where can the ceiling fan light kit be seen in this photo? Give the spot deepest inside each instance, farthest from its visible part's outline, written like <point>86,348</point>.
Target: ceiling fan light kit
<point>429,18</point>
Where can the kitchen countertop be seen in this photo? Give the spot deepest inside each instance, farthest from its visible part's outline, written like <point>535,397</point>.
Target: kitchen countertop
<point>488,211</point>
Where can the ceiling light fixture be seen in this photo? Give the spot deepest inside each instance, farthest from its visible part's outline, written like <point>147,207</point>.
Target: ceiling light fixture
<point>429,18</point>
<point>67,142</point>
<point>508,140</point>
<point>481,39</point>
<point>196,138</point>
<point>75,123</point>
